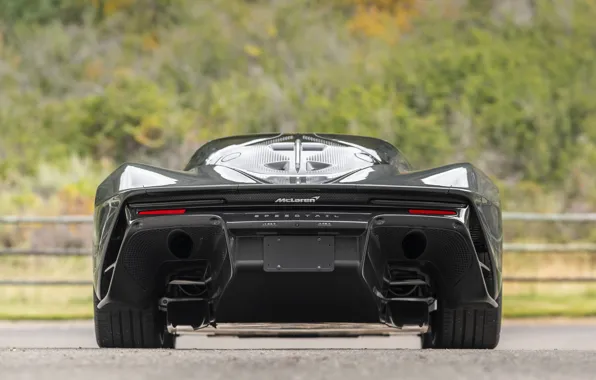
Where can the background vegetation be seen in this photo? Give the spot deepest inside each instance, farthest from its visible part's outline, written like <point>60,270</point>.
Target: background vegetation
<point>509,85</point>
<point>86,84</point>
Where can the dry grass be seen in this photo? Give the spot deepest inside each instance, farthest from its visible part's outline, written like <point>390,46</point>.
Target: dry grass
<point>55,302</point>
<point>550,265</point>
<point>521,300</point>
<point>58,302</point>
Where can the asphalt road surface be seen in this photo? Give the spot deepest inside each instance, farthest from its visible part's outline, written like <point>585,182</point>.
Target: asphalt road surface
<point>529,350</point>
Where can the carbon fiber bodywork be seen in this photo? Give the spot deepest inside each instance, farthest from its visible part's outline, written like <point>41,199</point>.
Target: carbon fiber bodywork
<point>298,228</point>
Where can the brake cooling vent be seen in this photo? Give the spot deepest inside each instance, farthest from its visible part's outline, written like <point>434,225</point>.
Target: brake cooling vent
<point>459,258</point>
<point>476,234</point>
<point>480,245</point>
<point>138,256</point>
<point>481,248</point>
<point>144,251</point>
<point>447,249</point>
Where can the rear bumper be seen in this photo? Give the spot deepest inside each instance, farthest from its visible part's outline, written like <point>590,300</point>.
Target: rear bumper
<point>252,282</point>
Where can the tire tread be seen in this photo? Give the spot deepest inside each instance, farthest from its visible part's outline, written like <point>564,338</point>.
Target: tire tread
<point>129,328</point>
<point>464,328</point>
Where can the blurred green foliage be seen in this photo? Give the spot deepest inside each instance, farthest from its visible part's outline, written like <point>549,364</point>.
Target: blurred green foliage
<point>42,11</point>
<point>116,80</point>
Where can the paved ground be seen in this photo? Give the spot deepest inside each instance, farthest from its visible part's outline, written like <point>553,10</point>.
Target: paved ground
<point>67,351</point>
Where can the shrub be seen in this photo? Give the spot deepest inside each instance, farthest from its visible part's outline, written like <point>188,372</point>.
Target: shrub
<point>516,99</point>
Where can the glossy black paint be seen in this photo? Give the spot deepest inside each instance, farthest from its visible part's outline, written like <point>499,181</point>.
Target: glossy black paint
<point>290,164</point>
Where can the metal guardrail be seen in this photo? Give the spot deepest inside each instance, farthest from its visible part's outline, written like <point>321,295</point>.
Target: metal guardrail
<point>71,219</point>
<point>508,247</point>
<point>514,247</point>
<point>44,252</point>
<point>45,283</point>
<point>538,217</point>
<point>507,216</point>
<point>542,248</point>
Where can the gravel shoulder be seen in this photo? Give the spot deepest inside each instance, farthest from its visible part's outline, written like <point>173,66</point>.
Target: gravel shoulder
<point>93,364</point>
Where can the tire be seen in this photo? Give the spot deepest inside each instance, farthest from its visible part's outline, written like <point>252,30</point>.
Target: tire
<point>131,328</point>
<point>463,328</point>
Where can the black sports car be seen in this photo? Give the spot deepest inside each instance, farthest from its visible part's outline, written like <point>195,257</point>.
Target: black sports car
<point>297,230</point>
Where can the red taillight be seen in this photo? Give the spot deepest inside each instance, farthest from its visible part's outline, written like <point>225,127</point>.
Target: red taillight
<point>163,212</point>
<point>432,212</point>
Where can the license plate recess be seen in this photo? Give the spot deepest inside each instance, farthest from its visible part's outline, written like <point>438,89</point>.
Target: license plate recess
<point>299,253</point>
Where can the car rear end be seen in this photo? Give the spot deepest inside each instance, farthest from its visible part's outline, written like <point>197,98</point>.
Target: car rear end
<point>276,254</point>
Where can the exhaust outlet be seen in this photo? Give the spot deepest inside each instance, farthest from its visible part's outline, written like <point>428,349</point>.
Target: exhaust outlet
<point>180,244</point>
<point>414,244</point>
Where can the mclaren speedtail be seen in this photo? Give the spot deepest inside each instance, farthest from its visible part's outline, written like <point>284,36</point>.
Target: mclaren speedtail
<point>291,233</point>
